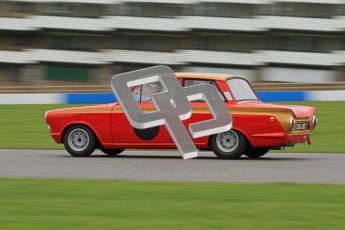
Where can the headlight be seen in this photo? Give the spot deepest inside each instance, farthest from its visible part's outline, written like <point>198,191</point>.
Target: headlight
<point>316,121</point>
<point>292,122</point>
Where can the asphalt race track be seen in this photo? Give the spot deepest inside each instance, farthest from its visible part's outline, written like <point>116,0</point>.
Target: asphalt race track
<point>169,166</point>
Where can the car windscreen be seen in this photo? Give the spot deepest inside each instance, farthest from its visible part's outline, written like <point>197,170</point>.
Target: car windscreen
<point>241,89</point>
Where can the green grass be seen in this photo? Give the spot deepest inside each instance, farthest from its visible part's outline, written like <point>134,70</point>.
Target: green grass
<point>329,135</point>
<point>72,204</point>
<point>23,126</point>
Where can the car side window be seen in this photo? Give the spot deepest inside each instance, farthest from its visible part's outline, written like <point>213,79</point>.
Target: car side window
<point>136,91</point>
<point>150,88</point>
<point>143,93</point>
<point>189,82</point>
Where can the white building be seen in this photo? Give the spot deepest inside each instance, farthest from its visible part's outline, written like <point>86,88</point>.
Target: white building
<point>50,42</point>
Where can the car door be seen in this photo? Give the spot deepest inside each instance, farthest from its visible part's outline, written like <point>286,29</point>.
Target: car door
<point>201,111</point>
<point>125,134</point>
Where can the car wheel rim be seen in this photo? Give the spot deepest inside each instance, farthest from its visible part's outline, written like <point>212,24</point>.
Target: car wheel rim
<point>78,139</point>
<point>228,141</point>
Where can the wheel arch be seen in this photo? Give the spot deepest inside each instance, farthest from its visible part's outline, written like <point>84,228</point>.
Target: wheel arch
<point>235,129</point>
<point>64,130</point>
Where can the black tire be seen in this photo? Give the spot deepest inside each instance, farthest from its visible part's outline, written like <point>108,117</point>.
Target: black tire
<point>256,153</point>
<point>233,151</point>
<point>79,141</point>
<point>112,152</point>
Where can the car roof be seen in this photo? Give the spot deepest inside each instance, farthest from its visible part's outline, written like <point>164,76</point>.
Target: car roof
<point>207,76</point>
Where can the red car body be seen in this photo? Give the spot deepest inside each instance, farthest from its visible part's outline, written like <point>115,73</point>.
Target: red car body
<point>263,125</point>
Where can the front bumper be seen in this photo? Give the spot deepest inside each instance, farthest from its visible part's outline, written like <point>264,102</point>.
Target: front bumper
<point>278,139</point>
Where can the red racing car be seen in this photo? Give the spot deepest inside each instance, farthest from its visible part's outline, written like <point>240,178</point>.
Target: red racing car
<point>257,127</point>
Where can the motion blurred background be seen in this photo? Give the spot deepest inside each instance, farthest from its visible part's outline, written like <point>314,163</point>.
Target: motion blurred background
<point>79,43</point>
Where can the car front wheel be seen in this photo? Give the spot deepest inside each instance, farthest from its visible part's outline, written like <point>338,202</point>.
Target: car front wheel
<point>228,145</point>
<point>79,141</point>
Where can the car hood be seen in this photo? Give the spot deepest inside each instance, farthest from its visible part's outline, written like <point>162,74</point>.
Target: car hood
<point>298,110</point>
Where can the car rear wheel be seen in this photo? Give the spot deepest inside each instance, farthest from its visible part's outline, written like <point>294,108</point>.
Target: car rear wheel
<point>79,141</point>
<point>256,153</point>
<point>112,152</point>
<point>228,145</point>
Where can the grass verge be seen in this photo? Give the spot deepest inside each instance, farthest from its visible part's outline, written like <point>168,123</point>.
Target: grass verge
<point>329,135</point>
<point>23,126</point>
<point>76,204</point>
